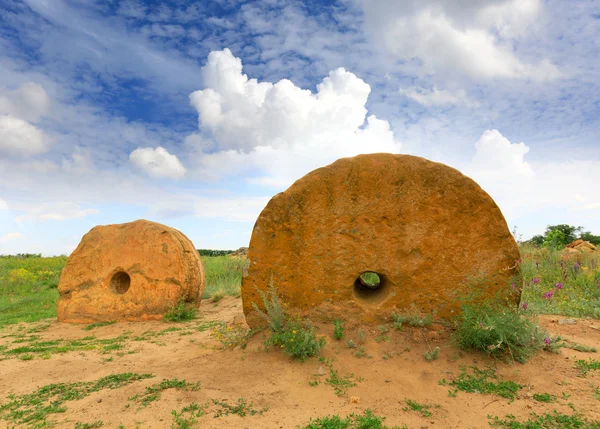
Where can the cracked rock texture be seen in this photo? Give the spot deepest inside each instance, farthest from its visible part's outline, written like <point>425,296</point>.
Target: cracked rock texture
<point>130,271</point>
<point>429,232</point>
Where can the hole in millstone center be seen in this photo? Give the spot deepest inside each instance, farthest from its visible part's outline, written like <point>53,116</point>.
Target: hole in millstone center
<point>370,280</point>
<point>119,282</point>
<point>371,288</point>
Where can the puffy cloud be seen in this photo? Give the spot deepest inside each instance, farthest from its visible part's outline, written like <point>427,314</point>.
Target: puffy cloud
<point>56,211</point>
<point>30,101</point>
<point>278,132</point>
<point>157,162</point>
<point>19,137</point>
<point>438,97</point>
<point>473,36</point>
<point>11,236</point>
<point>496,155</point>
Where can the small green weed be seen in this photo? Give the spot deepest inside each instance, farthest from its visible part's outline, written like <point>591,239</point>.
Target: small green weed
<point>297,338</point>
<point>180,312</point>
<point>242,408</point>
<point>181,421</point>
<point>97,325</point>
<point>340,384</point>
<point>586,366</point>
<point>423,409</point>
<point>354,421</point>
<point>95,425</point>
<point>544,397</point>
<point>338,329</point>
<point>153,393</point>
<point>232,336</point>
<point>432,355</point>
<point>485,381</point>
<point>551,420</point>
<point>412,319</point>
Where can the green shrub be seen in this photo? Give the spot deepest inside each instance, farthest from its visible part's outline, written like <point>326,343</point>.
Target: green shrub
<point>297,338</point>
<point>180,312</point>
<point>500,331</point>
<point>338,329</point>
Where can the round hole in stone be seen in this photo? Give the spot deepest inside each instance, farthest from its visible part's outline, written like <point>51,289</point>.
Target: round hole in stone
<point>119,282</point>
<point>371,288</point>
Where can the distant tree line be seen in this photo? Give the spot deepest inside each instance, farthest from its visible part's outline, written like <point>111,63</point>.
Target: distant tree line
<point>22,256</point>
<point>558,236</point>
<point>211,252</point>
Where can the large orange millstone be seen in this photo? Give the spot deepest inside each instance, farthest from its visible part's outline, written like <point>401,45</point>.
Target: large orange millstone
<point>429,232</point>
<point>129,271</point>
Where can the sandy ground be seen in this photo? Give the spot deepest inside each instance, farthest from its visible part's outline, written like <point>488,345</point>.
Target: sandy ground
<point>271,379</point>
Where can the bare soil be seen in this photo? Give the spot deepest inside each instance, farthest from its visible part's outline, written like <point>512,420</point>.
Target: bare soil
<point>270,379</point>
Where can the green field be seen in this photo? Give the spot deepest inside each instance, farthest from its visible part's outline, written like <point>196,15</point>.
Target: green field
<point>551,286</point>
<point>28,286</point>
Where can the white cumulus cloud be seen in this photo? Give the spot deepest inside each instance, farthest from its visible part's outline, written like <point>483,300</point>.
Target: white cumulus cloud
<point>476,37</point>
<point>278,132</point>
<point>30,102</point>
<point>157,162</point>
<point>495,155</point>
<point>56,211</point>
<point>19,137</point>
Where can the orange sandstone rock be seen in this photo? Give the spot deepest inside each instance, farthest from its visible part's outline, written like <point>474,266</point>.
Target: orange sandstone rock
<point>427,230</point>
<point>129,271</point>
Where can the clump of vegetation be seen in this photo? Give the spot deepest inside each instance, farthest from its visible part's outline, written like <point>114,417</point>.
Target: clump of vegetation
<point>554,419</point>
<point>586,366</point>
<point>338,329</point>
<point>411,319</point>
<point>97,325</point>
<point>499,330</point>
<point>367,420</point>
<point>297,338</point>
<point>485,381</point>
<point>95,425</point>
<point>181,421</point>
<point>181,312</point>
<point>340,384</point>
<point>544,397</point>
<point>153,393</point>
<point>432,355</point>
<point>223,275</point>
<point>423,409</point>
<point>33,408</point>
<point>232,336</point>
<point>242,408</point>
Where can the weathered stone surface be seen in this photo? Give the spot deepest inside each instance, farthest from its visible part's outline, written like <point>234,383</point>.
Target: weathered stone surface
<point>582,245</point>
<point>425,228</point>
<point>129,271</point>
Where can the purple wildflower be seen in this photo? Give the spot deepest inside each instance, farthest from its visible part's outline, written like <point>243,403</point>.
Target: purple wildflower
<point>547,340</point>
<point>536,280</point>
<point>524,306</point>
<point>548,295</point>
<point>558,285</point>
<point>512,285</point>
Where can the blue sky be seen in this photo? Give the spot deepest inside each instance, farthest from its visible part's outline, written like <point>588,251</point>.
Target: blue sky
<point>194,114</point>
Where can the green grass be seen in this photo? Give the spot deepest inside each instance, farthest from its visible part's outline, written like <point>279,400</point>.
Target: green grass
<point>367,420</point>
<point>32,409</point>
<point>95,425</point>
<point>586,366</point>
<point>181,312</point>
<point>578,294</point>
<point>223,275</point>
<point>340,384</point>
<point>97,325</point>
<point>552,420</point>
<point>28,286</point>
<point>338,329</point>
<point>242,408</point>
<point>485,381</point>
<point>544,397</point>
<point>187,417</point>
<point>153,393</point>
<point>411,319</point>
<point>422,409</point>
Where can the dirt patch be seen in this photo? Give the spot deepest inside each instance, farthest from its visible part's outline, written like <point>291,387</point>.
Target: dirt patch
<point>387,367</point>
